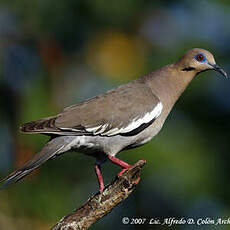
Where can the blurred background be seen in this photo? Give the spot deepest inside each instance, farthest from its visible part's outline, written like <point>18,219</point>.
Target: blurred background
<point>57,53</point>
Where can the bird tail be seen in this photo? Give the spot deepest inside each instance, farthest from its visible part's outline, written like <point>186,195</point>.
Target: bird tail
<point>53,148</point>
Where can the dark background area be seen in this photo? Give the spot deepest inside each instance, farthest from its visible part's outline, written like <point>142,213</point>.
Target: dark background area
<point>57,53</point>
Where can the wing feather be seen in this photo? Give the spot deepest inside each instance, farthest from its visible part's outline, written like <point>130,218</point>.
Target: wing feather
<point>120,111</point>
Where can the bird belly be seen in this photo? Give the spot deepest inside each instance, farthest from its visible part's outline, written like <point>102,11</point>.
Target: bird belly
<point>86,143</point>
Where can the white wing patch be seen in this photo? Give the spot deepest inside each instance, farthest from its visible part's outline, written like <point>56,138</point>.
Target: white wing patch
<point>131,126</point>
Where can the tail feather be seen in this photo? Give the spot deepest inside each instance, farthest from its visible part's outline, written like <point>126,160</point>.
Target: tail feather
<point>54,147</point>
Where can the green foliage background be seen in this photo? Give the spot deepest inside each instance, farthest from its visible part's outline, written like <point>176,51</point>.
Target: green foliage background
<point>56,53</point>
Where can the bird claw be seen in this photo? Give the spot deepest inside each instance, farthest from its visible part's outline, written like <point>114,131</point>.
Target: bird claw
<point>124,170</point>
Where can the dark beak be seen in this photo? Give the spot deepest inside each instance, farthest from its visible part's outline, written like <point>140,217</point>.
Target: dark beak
<point>218,69</point>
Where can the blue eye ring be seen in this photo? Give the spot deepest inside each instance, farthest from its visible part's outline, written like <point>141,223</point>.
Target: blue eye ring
<point>200,57</point>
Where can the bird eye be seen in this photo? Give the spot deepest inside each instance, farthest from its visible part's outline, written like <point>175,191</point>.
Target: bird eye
<point>200,57</point>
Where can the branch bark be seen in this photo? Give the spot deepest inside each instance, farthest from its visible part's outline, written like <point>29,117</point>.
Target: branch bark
<point>101,204</point>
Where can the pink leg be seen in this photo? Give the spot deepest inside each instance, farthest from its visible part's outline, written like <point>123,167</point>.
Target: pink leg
<point>121,163</point>
<point>99,177</point>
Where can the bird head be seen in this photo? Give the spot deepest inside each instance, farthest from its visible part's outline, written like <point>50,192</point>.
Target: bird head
<point>199,60</point>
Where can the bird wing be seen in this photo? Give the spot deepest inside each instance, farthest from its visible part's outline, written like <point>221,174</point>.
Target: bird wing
<point>121,111</point>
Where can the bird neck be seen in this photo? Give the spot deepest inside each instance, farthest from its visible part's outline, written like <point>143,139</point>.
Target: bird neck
<point>168,83</point>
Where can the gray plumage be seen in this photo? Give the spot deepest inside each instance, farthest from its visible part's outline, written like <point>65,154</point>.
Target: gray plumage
<point>122,118</point>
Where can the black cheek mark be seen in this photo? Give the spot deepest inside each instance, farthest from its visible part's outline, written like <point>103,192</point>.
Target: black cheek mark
<point>188,69</point>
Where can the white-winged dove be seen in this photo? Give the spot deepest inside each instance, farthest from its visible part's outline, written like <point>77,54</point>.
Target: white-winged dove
<point>122,118</point>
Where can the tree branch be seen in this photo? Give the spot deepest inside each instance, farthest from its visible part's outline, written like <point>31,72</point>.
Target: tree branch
<point>101,204</point>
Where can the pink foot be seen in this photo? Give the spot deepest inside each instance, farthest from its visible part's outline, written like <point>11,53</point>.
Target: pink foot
<point>99,178</point>
<point>123,170</point>
<point>121,163</point>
